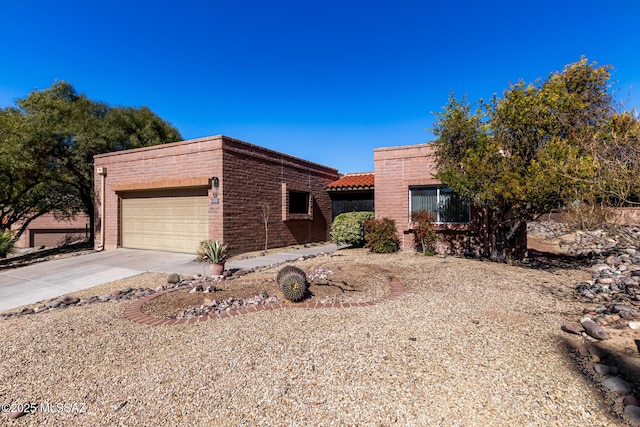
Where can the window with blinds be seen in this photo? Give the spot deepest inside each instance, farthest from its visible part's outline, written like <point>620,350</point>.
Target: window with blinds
<point>445,205</point>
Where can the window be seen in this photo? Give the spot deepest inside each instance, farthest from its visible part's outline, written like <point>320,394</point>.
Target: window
<point>442,202</point>
<point>298,202</point>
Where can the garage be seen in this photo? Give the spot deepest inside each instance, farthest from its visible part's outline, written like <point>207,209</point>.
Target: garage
<point>168,220</point>
<point>52,238</point>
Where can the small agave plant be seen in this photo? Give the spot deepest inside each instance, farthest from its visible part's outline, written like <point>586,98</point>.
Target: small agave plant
<point>212,251</point>
<point>215,253</point>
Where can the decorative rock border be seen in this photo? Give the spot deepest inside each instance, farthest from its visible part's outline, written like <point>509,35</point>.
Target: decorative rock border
<point>134,311</point>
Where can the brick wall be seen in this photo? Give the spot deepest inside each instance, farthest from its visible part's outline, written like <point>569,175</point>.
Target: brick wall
<point>247,174</point>
<point>253,175</point>
<point>396,169</point>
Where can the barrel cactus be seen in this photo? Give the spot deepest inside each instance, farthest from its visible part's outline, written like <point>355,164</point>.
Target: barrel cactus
<point>290,269</point>
<point>293,283</point>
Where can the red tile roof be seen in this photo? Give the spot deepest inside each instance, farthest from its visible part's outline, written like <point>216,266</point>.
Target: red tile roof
<point>353,181</point>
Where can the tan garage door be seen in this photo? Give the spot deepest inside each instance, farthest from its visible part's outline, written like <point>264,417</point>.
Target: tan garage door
<point>174,221</point>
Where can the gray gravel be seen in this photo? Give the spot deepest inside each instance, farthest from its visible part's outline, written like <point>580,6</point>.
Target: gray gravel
<point>469,344</point>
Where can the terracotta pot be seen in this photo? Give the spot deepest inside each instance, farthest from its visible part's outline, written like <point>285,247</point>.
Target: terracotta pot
<point>217,268</point>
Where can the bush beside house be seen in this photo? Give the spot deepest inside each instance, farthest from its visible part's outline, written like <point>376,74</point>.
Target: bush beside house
<point>424,232</point>
<point>348,228</point>
<point>380,235</point>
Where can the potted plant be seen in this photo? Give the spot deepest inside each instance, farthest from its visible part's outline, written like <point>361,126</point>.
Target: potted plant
<point>215,253</point>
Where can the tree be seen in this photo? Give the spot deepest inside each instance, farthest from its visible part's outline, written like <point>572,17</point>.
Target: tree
<point>28,188</point>
<point>48,142</point>
<point>541,146</point>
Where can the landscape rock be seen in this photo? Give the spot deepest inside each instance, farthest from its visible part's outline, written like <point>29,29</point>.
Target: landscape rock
<point>605,369</point>
<point>631,400</point>
<point>594,330</point>
<point>618,385</point>
<point>572,329</point>
<point>68,300</point>
<point>53,303</point>
<point>173,278</point>
<point>16,414</point>
<point>597,351</point>
<point>632,413</point>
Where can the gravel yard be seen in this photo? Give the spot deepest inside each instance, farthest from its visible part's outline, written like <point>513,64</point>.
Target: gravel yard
<point>469,343</point>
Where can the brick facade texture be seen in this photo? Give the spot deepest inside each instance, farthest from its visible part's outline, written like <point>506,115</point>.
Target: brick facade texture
<point>396,169</point>
<point>248,176</point>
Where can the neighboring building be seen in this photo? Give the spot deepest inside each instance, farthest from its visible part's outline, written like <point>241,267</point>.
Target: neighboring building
<point>48,231</point>
<point>170,197</point>
<point>352,193</point>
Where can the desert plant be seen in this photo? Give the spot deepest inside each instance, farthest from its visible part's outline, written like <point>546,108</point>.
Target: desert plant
<point>348,228</point>
<point>6,243</point>
<point>380,235</point>
<point>290,269</point>
<point>293,286</point>
<point>424,232</point>
<point>265,210</point>
<point>212,251</point>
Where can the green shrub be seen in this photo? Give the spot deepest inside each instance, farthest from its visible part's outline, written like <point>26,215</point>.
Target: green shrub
<point>6,243</point>
<point>348,228</point>
<point>424,233</point>
<point>380,235</point>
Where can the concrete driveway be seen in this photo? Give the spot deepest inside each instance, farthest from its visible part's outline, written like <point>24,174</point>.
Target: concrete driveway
<point>46,280</point>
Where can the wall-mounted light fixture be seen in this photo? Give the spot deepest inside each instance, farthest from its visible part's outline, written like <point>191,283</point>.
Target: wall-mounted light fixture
<point>215,181</point>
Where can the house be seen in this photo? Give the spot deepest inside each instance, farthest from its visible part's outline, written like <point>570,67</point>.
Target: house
<point>352,193</point>
<point>49,231</point>
<point>405,183</point>
<point>170,197</point>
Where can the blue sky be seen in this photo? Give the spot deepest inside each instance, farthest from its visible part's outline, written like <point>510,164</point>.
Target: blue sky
<point>326,81</point>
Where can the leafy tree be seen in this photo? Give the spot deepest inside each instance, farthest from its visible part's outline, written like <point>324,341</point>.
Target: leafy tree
<point>27,189</point>
<point>47,145</point>
<point>541,146</point>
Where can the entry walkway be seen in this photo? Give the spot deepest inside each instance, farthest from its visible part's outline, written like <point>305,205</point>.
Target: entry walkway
<point>278,258</point>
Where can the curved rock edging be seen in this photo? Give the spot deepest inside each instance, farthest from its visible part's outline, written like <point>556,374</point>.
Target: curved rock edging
<point>134,312</point>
